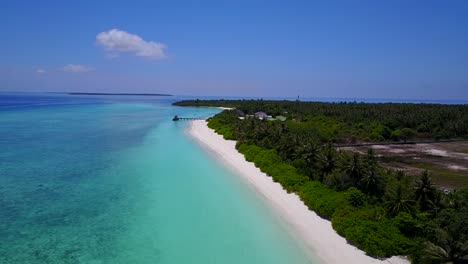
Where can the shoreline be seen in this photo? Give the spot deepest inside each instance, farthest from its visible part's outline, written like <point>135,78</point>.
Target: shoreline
<point>314,233</point>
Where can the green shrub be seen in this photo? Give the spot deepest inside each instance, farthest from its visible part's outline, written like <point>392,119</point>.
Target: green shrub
<point>249,151</point>
<point>266,158</point>
<point>268,161</point>
<point>355,197</point>
<point>407,224</point>
<point>378,236</point>
<point>321,199</point>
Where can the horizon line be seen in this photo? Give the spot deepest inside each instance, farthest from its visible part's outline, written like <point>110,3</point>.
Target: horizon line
<point>234,96</point>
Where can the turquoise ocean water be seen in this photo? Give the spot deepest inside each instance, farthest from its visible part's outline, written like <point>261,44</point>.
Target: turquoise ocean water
<point>114,180</point>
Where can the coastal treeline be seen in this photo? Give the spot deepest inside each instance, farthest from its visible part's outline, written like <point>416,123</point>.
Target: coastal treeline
<point>349,121</point>
<point>383,212</point>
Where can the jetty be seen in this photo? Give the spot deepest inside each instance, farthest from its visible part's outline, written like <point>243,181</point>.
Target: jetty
<point>177,118</point>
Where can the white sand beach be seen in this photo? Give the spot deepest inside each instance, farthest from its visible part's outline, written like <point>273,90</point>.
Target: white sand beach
<point>225,108</point>
<point>314,232</point>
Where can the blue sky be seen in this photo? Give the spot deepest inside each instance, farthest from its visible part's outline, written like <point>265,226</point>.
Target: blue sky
<point>345,49</point>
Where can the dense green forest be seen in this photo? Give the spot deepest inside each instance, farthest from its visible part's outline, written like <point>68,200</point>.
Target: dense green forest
<point>348,122</point>
<point>383,212</point>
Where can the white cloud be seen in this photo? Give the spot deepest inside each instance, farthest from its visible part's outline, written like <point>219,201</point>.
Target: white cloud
<point>40,71</point>
<point>77,68</point>
<point>117,41</point>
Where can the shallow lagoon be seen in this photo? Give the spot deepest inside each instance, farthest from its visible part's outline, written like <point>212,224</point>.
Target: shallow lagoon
<point>99,180</point>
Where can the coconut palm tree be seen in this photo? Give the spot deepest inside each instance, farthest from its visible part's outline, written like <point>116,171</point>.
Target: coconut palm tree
<point>310,153</point>
<point>354,168</point>
<point>399,199</point>
<point>372,182</point>
<point>326,161</point>
<point>400,175</point>
<point>447,249</point>
<point>371,159</point>
<point>434,253</point>
<point>425,191</point>
<point>438,203</point>
<point>305,157</point>
<point>456,199</point>
<point>287,145</point>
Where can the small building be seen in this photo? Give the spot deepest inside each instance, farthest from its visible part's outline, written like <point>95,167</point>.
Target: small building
<point>261,115</point>
<point>239,113</point>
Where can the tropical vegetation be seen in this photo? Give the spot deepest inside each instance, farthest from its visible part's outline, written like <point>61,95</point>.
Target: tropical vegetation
<point>349,121</point>
<point>383,212</point>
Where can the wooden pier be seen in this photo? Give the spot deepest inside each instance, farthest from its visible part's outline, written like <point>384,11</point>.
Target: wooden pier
<point>177,118</point>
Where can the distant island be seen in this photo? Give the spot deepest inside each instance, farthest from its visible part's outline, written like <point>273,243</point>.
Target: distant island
<point>133,94</point>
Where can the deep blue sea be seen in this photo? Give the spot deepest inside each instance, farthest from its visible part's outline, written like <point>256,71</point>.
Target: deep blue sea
<point>111,179</point>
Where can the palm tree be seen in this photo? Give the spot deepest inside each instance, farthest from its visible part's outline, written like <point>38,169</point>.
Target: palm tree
<point>336,180</point>
<point>399,199</point>
<point>372,182</point>
<point>371,159</point>
<point>354,168</point>
<point>307,155</point>
<point>400,175</point>
<point>448,233</point>
<point>310,154</point>
<point>438,203</point>
<point>434,253</point>
<point>456,199</point>
<point>447,249</point>
<point>326,161</point>
<point>425,191</point>
<point>287,145</point>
